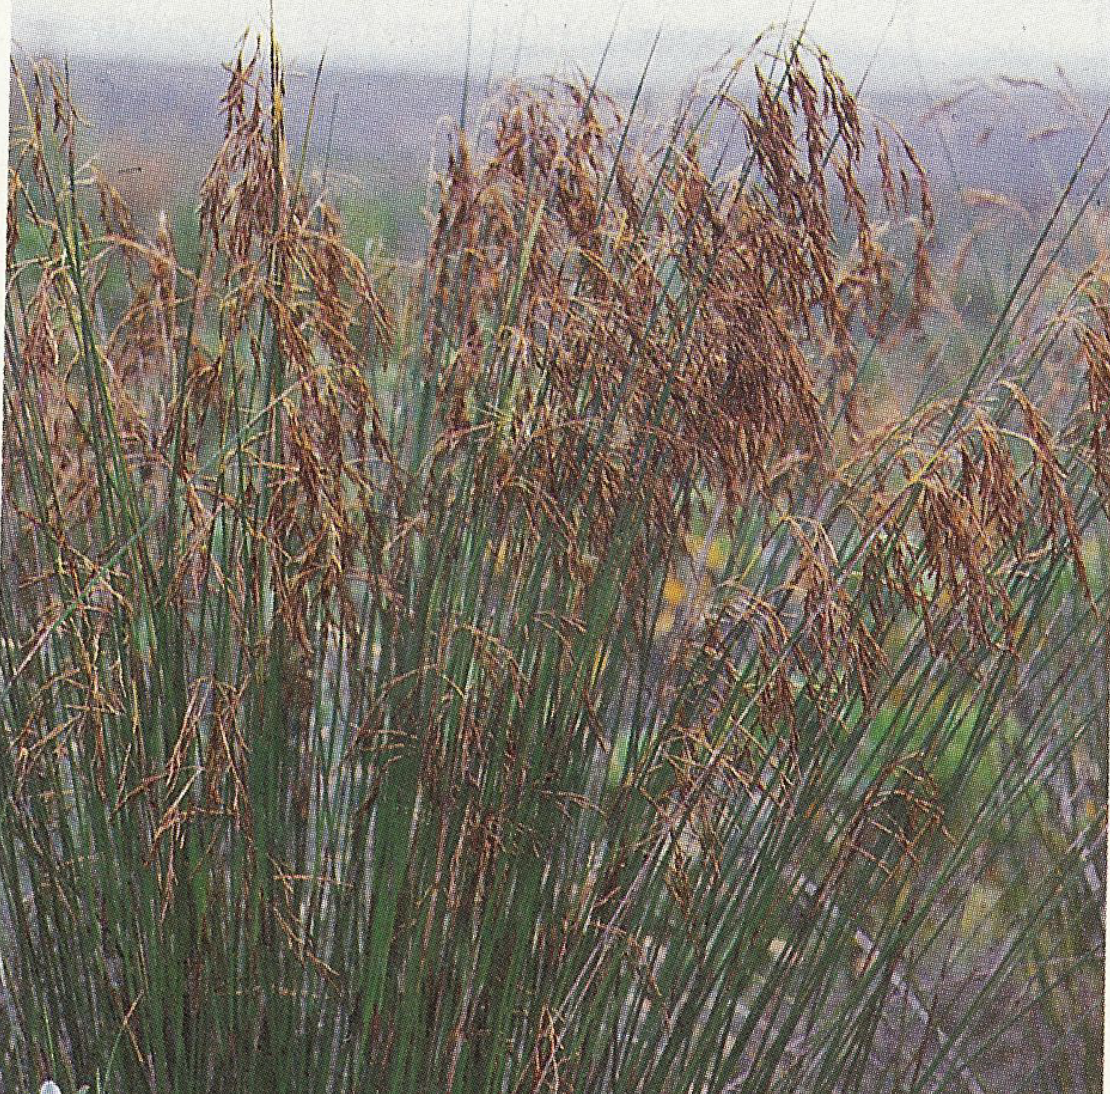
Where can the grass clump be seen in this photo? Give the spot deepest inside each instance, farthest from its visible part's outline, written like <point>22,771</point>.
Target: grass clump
<point>376,715</point>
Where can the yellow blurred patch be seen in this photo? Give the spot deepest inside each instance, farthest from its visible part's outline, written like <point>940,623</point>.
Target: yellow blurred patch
<point>674,591</point>
<point>717,556</point>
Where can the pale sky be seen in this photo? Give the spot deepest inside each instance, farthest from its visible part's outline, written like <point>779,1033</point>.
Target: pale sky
<point>948,38</point>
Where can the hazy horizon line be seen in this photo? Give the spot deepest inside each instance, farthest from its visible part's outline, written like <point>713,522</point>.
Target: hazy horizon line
<point>673,60</point>
<point>625,76</point>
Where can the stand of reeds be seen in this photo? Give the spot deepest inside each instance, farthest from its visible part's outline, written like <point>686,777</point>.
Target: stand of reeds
<point>549,670</point>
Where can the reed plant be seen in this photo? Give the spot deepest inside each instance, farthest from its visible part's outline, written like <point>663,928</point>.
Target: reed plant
<point>547,670</point>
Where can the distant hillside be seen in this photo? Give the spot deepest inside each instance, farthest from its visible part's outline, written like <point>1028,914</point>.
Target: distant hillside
<point>156,125</point>
<point>383,115</point>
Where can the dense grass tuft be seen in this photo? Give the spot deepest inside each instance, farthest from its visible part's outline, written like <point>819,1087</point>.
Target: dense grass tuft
<point>555,669</point>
